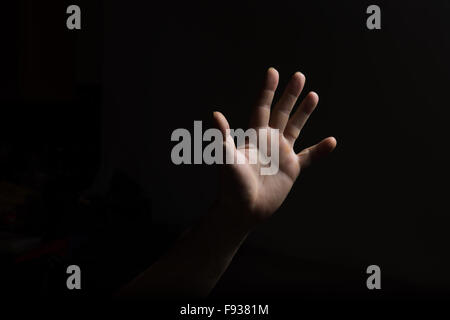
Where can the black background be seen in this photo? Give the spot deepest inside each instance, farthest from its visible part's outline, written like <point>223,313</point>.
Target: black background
<point>93,110</point>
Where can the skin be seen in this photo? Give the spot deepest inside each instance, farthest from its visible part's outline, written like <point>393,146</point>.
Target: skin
<point>247,198</point>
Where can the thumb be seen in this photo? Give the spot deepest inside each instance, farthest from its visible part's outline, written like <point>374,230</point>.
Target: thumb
<point>221,123</point>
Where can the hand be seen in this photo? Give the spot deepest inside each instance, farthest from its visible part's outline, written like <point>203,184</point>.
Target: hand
<point>244,190</point>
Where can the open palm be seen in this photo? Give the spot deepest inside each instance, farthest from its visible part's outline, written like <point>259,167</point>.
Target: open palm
<point>244,188</point>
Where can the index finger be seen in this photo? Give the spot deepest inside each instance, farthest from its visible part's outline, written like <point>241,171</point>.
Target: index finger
<point>261,113</point>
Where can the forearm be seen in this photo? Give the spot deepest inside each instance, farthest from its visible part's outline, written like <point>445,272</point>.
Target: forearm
<point>197,260</point>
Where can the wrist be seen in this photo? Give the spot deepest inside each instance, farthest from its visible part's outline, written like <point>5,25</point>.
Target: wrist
<point>232,218</point>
